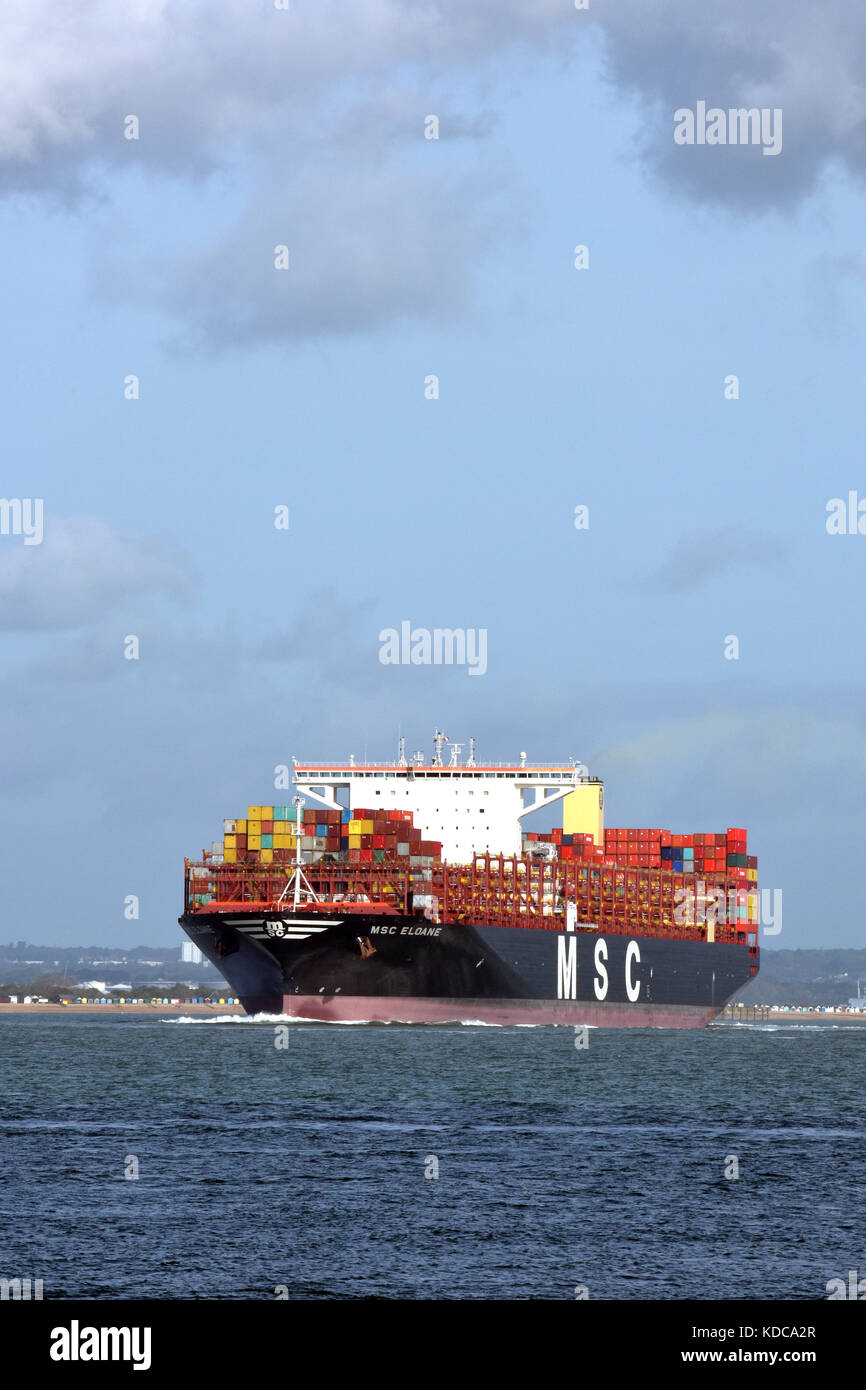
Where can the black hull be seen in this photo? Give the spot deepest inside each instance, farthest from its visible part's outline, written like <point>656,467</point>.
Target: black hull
<point>387,968</point>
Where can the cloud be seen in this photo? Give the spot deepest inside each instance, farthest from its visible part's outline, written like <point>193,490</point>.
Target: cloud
<point>82,569</point>
<point>312,118</point>
<point>808,59</point>
<point>696,561</point>
<point>315,118</point>
<point>364,252</point>
<point>198,75</point>
<point>833,297</point>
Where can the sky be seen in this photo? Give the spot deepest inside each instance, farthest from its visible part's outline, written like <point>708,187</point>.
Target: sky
<point>307,388</point>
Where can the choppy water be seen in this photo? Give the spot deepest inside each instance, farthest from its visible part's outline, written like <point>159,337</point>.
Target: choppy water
<point>305,1166</point>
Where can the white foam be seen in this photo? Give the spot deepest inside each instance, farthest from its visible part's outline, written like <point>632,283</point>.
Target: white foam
<point>358,1022</point>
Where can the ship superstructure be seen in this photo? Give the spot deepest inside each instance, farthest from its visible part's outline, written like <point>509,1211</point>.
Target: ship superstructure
<point>469,808</point>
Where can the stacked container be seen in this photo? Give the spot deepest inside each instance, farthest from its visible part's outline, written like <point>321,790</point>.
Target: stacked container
<point>271,834</point>
<point>697,855</point>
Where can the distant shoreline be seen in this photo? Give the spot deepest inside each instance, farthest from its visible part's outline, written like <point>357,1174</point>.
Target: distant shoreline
<point>111,1009</point>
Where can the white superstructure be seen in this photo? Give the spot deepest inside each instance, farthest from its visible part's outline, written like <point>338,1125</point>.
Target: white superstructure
<point>471,807</point>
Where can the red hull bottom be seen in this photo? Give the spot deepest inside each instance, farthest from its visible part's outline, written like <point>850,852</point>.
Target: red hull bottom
<point>356,1008</point>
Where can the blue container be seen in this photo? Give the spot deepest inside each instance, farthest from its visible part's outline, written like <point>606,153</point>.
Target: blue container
<point>321,829</point>
<point>345,817</point>
<point>688,852</point>
<point>280,813</point>
<point>678,866</point>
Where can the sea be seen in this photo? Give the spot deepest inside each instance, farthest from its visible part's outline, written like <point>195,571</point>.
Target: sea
<point>227,1158</point>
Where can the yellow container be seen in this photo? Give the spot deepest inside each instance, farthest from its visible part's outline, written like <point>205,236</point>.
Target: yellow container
<point>230,842</point>
<point>267,856</point>
<point>583,811</point>
<point>366,827</point>
<point>284,841</point>
<point>241,827</point>
<point>254,842</point>
<point>254,813</point>
<point>230,856</point>
<point>254,827</point>
<point>267,813</point>
<point>354,827</point>
<point>752,875</point>
<point>354,842</point>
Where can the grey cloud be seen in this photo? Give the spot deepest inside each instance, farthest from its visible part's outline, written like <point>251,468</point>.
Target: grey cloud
<point>198,75</point>
<point>364,250</point>
<point>322,108</point>
<point>697,560</point>
<point>83,568</point>
<point>807,58</point>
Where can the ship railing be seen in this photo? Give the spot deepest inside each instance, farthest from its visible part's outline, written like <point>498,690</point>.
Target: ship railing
<point>492,890</point>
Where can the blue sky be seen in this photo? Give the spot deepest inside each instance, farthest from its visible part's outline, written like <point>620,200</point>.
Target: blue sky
<point>558,387</point>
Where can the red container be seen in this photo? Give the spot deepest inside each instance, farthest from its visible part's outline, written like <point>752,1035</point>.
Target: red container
<point>366,856</point>
<point>378,841</point>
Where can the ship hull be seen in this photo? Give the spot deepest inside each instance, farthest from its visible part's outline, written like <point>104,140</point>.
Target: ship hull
<point>504,1012</point>
<point>392,969</point>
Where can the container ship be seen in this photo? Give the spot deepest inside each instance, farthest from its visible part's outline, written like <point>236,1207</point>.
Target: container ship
<point>412,892</point>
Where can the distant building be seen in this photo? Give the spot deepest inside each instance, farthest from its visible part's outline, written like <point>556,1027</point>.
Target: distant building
<point>191,953</point>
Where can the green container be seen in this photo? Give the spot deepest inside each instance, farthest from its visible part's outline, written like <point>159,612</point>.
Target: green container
<point>688,852</point>
<point>267,842</point>
<point>378,856</point>
<point>280,813</point>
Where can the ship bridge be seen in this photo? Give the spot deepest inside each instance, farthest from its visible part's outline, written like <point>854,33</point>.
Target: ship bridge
<point>473,808</point>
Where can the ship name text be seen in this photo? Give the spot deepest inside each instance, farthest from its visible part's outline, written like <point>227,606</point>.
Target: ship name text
<point>405,931</point>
